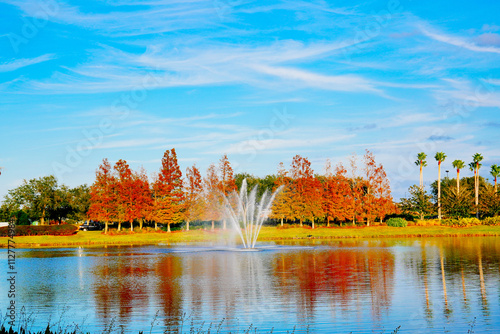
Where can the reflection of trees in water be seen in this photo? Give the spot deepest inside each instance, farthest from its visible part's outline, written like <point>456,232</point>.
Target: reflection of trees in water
<point>168,271</point>
<point>464,267</point>
<point>345,276</point>
<point>120,287</point>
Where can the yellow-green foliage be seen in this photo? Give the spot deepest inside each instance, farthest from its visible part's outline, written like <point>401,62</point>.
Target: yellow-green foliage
<point>397,222</point>
<point>492,221</point>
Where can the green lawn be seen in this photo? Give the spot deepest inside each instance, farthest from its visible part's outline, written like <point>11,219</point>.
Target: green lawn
<point>267,234</point>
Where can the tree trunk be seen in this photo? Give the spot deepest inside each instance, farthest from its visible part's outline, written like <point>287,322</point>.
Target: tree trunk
<point>458,182</point>
<point>282,222</point>
<point>367,222</point>
<point>224,224</point>
<point>439,190</point>
<point>213,225</point>
<point>495,184</point>
<point>156,226</point>
<point>131,226</point>
<point>313,224</point>
<point>141,221</point>
<point>421,178</point>
<point>106,227</point>
<point>301,222</point>
<point>119,226</point>
<point>354,221</point>
<point>168,228</point>
<point>187,225</point>
<point>327,222</point>
<point>476,190</point>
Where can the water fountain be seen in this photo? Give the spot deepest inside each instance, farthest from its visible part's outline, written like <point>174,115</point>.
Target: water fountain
<point>247,214</point>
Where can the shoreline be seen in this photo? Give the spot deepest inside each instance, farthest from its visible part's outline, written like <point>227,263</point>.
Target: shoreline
<point>98,239</point>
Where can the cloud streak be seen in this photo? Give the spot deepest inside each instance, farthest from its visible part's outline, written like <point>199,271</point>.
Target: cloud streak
<point>24,62</point>
<point>458,41</point>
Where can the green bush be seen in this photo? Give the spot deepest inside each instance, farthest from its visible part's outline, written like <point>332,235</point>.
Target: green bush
<point>492,221</point>
<point>23,230</point>
<point>397,222</point>
<point>462,222</point>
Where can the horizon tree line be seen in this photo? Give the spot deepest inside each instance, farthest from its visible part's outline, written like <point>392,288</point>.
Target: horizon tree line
<point>122,195</point>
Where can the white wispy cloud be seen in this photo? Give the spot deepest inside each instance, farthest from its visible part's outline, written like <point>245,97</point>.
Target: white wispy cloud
<point>457,41</point>
<point>348,83</point>
<point>161,16</point>
<point>23,62</point>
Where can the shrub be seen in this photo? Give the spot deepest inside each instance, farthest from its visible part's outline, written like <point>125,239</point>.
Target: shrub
<point>397,222</point>
<point>492,221</point>
<point>462,222</point>
<point>25,230</point>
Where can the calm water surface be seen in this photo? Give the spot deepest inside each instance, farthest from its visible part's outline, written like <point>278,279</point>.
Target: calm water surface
<point>435,285</point>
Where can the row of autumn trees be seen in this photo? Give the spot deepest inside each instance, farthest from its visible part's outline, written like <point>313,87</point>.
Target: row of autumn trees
<point>120,194</point>
<point>456,197</point>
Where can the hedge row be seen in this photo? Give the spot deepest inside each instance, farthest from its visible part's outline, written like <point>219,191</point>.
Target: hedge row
<point>25,230</point>
<point>465,222</point>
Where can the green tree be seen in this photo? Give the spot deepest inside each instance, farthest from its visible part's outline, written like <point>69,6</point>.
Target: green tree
<point>458,165</point>
<point>489,204</point>
<point>418,202</point>
<point>36,196</point>
<point>440,157</point>
<point>476,159</point>
<point>457,204</point>
<point>421,162</point>
<point>495,172</point>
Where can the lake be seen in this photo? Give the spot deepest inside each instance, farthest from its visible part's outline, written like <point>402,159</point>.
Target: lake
<point>428,285</point>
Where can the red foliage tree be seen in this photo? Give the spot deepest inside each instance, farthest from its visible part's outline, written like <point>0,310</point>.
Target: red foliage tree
<point>378,195</point>
<point>126,200</point>
<point>282,207</point>
<point>143,196</point>
<point>102,196</point>
<point>168,191</point>
<point>194,195</point>
<point>307,191</point>
<point>211,185</point>
<point>227,182</point>
<point>337,194</point>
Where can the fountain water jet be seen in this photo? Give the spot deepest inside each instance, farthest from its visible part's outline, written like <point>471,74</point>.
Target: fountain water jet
<point>246,215</point>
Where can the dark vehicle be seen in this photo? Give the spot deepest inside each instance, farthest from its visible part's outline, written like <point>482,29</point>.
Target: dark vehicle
<point>91,226</point>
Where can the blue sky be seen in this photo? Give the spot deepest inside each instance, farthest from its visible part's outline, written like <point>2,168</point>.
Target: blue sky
<point>260,81</point>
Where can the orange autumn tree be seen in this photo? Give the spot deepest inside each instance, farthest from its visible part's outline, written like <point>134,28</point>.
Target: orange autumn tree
<point>337,196</point>
<point>307,191</point>
<point>125,194</point>
<point>168,194</point>
<point>282,207</point>
<point>102,196</point>
<point>377,200</point>
<point>211,186</point>
<point>357,191</point>
<point>227,183</point>
<point>143,196</point>
<point>194,195</point>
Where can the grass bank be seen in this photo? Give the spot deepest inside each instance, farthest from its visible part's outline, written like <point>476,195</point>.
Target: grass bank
<point>97,238</point>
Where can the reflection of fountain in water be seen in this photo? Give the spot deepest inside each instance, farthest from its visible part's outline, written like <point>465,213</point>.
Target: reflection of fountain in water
<point>247,214</point>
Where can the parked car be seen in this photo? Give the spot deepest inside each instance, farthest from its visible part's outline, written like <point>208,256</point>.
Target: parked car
<point>91,226</point>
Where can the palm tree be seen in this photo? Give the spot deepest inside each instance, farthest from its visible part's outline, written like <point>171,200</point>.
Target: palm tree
<point>421,163</point>
<point>495,172</point>
<point>458,164</point>
<point>476,159</point>
<point>440,156</point>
